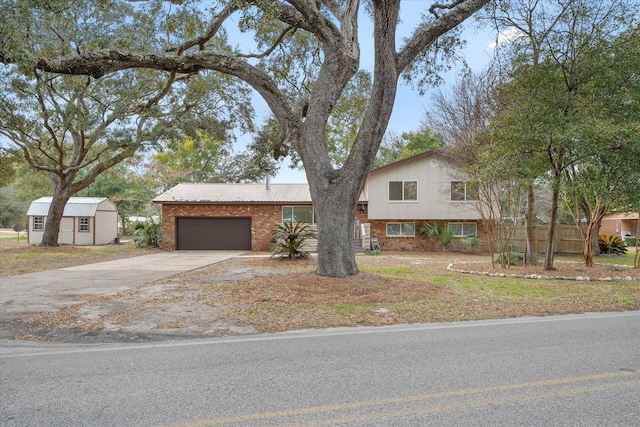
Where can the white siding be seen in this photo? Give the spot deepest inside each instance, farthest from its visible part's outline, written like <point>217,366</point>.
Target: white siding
<point>107,226</point>
<point>35,237</point>
<point>84,238</point>
<point>434,187</point>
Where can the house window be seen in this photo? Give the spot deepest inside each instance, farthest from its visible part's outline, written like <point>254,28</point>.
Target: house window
<point>38,223</point>
<point>464,191</point>
<point>406,191</point>
<point>463,229</point>
<point>84,224</point>
<point>401,229</point>
<point>298,214</point>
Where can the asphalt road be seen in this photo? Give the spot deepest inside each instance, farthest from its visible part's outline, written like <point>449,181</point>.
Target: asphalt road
<point>576,370</point>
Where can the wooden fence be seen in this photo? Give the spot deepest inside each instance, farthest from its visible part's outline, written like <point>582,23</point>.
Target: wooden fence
<point>568,239</point>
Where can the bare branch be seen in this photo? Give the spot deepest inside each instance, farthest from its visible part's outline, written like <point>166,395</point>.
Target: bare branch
<point>273,47</point>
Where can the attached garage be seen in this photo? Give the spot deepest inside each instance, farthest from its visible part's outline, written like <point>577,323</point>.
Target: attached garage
<point>213,233</point>
<point>227,216</point>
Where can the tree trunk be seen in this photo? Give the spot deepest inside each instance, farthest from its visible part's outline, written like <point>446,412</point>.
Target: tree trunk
<point>335,193</point>
<point>636,258</point>
<point>335,213</point>
<point>60,198</point>
<point>587,247</point>
<point>530,250</point>
<point>591,235</point>
<point>551,236</point>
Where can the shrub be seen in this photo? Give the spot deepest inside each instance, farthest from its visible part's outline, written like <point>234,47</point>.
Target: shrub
<point>149,232</point>
<point>514,258</point>
<point>611,245</point>
<point>629,241</point>
<point>289,239</point>
<point>446,235</point>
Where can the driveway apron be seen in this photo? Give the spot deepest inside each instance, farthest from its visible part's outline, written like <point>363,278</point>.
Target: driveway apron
<point>47,290</point>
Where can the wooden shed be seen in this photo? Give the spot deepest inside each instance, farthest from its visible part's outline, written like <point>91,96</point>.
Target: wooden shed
<point>86,221</point>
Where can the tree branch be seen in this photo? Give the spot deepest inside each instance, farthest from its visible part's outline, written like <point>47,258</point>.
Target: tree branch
<point>213,28</point>
<point>273,47</point>
<point>424,36</point>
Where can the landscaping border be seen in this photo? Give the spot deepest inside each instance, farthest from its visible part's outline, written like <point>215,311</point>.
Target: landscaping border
<point>451,268</point>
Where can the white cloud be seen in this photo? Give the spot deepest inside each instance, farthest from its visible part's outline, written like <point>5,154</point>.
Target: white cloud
<point>505,37</point>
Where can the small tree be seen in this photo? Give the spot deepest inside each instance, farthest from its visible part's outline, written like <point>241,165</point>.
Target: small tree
<point>290,238</point>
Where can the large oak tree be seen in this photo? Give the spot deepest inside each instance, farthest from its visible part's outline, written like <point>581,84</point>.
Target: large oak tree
<point>301,87</point>
<point>74,128</point>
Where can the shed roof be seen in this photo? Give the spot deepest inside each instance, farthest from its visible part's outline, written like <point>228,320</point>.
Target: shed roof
<point>237,193</point>
<point>76,206</point>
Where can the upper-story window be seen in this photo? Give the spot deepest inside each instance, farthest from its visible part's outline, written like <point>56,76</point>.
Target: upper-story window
<point>403,191</point>
<point>38,223</point>
<point>464,191</point>
<point>84,225</point>
<point>298,214</point>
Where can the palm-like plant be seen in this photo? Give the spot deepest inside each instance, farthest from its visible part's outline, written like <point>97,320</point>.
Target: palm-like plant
<point>437,230</point>
<point>149,232</point>
<point>290,238</point>
<point>446,235</point>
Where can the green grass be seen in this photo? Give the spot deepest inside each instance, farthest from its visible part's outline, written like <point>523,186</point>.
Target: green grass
<point>390,271</point>
<point>13,238</point>
<point>625,259</point>
<point>626,300</point>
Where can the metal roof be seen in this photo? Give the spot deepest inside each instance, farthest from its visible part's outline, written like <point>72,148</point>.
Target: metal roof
<point>76,206</point>
<point>237,193</point>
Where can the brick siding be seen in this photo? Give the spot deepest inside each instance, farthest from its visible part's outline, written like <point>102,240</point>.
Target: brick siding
<point>263,219</point>
<point>420,242</point>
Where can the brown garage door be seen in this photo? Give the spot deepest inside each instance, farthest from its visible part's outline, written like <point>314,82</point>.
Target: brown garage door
<point>213,233</point>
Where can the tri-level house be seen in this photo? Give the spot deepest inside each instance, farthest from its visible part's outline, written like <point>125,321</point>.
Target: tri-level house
<point>398,198</point>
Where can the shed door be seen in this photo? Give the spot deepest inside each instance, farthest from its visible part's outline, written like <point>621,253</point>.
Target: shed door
<point>66,232</point>
<point>213,233</point>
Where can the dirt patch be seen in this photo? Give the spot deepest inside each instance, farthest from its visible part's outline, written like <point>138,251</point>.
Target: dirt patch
<point>249,295</point>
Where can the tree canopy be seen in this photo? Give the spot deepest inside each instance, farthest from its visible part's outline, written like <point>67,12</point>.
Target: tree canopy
<point>73,128</point>
<point>568,95</point>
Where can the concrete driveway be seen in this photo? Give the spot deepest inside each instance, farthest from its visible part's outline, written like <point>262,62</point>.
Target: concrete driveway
<point>44,291</point>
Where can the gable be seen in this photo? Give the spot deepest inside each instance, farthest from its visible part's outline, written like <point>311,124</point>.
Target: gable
<point>432,173</point>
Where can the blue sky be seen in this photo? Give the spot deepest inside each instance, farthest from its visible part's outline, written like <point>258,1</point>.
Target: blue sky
<point>410,106</point>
